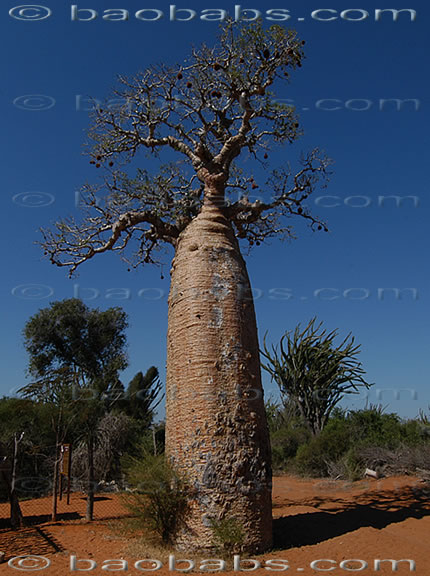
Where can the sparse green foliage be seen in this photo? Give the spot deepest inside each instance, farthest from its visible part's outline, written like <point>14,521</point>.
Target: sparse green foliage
<point>313,373</point>
<point>159,496</point>
<point>423,418</point>
<point>273,415</point>
<point>228,535</point>
<point>151,440</point>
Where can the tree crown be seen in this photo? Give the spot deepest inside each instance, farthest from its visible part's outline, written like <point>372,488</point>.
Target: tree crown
<point>208,111</point>
<point>70,341</point>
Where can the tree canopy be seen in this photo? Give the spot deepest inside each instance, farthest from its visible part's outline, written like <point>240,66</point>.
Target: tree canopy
<point>215,106</point>
<point>68,340</point>
<point>75,354</point>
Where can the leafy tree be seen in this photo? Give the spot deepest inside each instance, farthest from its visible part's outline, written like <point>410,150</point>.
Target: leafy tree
<point>75,354</point>
<point>207,116</point>
<point>20,450</point>
<point>143,395</point>
<point>313,373</point>
<point>8,474</point>
<point>23,415</point>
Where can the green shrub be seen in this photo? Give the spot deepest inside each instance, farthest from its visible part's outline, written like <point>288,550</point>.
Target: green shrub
<point>285,443</point>
<point>228,535</point>
<point>414,433</point>
<point>350,442</point>
<point>372,427</point>
<point>314,457</point>
<point>160,496</point>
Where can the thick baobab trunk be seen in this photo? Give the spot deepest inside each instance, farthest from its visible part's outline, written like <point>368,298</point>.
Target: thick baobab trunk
<point>216,430</point>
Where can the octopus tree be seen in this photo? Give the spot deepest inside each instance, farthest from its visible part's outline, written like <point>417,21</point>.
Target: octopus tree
<point>206,116</point>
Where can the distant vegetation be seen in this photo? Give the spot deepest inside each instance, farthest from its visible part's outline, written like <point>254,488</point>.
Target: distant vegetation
<point>120,431</point>
<point>350,442</point>
<point>311,435</point>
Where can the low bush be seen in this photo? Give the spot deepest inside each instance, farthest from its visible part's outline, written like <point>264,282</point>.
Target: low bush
<point>314,457</point>
<point>350,443</point>
<point>158,496</point>
<point>285,443</point>
<point>228,535</point>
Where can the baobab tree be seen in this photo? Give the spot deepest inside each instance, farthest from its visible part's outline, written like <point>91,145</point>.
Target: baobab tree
<point>205,115</point>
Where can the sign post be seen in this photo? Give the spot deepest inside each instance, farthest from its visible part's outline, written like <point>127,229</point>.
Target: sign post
<point>65,469</point>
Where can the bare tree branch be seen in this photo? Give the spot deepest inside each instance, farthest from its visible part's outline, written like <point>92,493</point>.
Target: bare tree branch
<point>208,110</point>
<point>259,220</point>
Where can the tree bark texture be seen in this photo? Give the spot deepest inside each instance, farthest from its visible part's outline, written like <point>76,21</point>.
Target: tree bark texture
<point>216,429</point>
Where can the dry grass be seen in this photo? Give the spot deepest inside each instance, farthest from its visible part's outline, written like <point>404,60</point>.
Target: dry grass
<point>142,544</point>
<point>404,460</point>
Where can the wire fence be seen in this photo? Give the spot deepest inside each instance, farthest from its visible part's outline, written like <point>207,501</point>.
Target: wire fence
<point>34,534</point>
<point>43,483</point>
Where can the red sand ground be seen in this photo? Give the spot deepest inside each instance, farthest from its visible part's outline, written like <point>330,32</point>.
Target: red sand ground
<point>314,519</point>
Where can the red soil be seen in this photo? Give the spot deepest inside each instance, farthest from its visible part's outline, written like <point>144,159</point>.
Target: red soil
<point>314,519</point>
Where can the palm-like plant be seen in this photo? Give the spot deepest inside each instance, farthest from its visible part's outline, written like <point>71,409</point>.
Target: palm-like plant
<point>314,373</point>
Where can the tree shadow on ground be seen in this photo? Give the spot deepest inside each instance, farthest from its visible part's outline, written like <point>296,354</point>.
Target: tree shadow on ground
<point>97,498</point>
<point>376,510</point>
<point>39,519</point>
<point>29,540</point>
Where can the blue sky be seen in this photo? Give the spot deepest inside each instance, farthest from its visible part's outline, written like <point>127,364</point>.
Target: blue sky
<point>347,278</point>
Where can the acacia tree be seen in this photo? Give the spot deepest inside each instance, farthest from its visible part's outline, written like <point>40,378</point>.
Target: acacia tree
<point>206,115</point>
<point>313,374</point>
<point>75,354</point>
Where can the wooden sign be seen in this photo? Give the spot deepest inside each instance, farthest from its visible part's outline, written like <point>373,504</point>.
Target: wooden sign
<point>65,459</point>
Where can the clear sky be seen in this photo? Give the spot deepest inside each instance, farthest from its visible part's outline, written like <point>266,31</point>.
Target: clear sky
<point>368,276</point>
